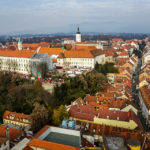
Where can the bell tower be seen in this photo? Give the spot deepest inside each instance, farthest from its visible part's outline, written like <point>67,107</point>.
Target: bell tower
<point>19,44</point>
<point>78,35</point>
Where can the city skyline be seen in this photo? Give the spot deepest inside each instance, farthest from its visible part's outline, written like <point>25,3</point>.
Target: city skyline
<point>49,16</point>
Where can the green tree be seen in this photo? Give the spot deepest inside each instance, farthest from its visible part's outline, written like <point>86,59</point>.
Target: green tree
<point>96,82</point>
<point>56,117</point>
<point>59,115</point>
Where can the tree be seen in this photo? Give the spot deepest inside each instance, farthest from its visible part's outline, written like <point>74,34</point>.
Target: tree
<point>97,67</point>
<point>39,116</point>
<point>56,117</point>
<point>63,112</point>
<point>96,82</point>
<point>1,64</point>
<point>59,115</point>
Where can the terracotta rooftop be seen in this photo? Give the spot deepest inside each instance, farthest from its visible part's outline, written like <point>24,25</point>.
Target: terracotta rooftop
<point>81,54</point>
<point>50,145</point>
<point>87,112</point>
<point>2,140</point>
<point>124,53</point>
<point>21,54</point>
<point>116,40</point>
<point>50,51</point>
<point>14,133</point>
<point>18,117</point>
<point>145,92</point>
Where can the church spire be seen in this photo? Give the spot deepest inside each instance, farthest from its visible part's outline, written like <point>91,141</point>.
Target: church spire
<point>78,31</point>
<point>78,35</point>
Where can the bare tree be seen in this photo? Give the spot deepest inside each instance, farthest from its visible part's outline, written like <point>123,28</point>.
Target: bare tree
<point>1,64</point>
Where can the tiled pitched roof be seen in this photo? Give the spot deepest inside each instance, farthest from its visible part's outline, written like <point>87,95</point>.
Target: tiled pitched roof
<point>50,145</point>
<point>83,48</point>
<point>81,54</point>
<point>2,140</point>
<point>116,40</point>
<point>14,133</point>
<point>124,53</point>
<point>145,92</point>
<point>90,98</point>
<point>50,51</point>
<point>78,54</point>
<point>86,43</point>
<point>21,54</point>
<point>18,117</point>
<point>87,112</point>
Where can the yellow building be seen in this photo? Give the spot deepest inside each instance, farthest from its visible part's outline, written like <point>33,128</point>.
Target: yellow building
<point>134,144</point>
<point>87,113</point>
<point>17,119</point>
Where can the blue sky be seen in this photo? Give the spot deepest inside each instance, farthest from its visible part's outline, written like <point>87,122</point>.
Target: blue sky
<point>49,16</point>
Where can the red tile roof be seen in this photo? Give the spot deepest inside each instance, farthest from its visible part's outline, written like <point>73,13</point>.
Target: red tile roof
<point>124,53</point>
<point>50,51</point>
<point>81,54</point>
<point>14,133</point>
<point>87,112</point>
<point>50,145</point>
<point>117,40</point>
<point>18,117</point>
<point>21,54</point>
<point>2,140</point>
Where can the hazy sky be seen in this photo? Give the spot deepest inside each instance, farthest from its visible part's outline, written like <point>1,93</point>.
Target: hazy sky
<point>49,16</point>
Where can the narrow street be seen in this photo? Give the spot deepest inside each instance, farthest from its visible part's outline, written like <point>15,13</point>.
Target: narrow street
<point>135,83</point>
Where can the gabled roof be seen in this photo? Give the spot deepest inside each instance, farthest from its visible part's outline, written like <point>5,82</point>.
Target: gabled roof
<point>88,112</point>
<point>50,51</point>
<point>18,117</point>
<point>124,53</point>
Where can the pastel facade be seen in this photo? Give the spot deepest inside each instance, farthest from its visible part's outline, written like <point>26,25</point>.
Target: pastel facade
<point>18,61</point>
<point>122,119</point>
<point>16,119</point>
<point>80,59</point>
<point>21,61</point>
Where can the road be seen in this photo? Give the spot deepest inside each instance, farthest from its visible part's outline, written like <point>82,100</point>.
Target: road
<point>135,82</point>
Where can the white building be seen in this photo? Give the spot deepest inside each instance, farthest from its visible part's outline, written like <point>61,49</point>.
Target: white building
<point>16,61</point>
<point>81,59</point>
<point>19,61</point>
<point>78,35</point>
<point>146,58</point>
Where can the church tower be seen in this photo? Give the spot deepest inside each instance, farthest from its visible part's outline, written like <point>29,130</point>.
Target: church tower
<point>100,45</point>
<point>19,44</point>
<point>78,35</point>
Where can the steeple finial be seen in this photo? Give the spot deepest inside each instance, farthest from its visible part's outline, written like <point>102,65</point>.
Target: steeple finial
<point>78,31</point>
